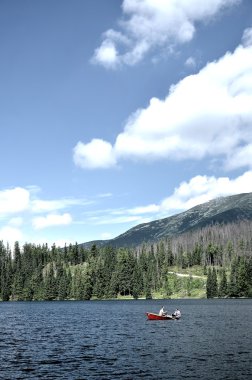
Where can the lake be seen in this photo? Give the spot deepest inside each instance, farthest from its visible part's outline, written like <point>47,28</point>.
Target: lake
<point>114,340</point>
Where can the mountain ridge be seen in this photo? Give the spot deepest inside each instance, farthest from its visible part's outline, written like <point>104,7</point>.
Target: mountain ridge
<point>216,211</point>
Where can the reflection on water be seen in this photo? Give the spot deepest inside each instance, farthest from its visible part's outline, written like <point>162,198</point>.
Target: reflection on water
<point>113,340</point>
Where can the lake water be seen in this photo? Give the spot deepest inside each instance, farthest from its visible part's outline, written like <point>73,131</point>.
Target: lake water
<point>113,340</point>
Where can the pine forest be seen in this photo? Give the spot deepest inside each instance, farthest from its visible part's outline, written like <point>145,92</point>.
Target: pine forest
<point>215,261</point>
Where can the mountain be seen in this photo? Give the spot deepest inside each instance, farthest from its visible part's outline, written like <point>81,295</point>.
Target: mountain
<point>221,210</point>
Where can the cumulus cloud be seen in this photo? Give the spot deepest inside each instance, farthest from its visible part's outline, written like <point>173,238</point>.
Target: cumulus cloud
<point>200,189</point>
<point>51,220</point>
<point>18,200</point>
<point>14,200</point>
<point>107,54</point>
<point>96,154</point>
<point>208,114</point>
<point>197,190</point>
<point>148,25</point>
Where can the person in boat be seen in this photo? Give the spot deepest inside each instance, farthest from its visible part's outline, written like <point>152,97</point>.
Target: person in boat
<point>177,313</point>
<point>162,312</point>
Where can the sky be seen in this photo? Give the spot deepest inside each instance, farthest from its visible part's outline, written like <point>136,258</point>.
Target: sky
<point>115,113</point>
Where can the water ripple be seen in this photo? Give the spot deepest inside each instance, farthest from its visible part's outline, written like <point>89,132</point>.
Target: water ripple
<point>59,340</point>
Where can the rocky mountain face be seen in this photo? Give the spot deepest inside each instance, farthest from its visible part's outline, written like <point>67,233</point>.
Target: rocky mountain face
<point>221,210</point>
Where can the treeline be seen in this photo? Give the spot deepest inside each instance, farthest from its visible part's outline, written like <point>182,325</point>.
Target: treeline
<point>223,260</point>
<point>237,284</point>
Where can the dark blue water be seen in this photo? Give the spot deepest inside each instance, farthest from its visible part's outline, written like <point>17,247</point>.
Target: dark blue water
<point>113,340</point>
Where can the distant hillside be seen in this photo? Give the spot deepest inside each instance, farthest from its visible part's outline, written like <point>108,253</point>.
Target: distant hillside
<point>221,210</point>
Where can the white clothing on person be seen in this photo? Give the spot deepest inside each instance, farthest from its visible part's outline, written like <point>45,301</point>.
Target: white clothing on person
<point>162,312</point>
<point>177,313</point>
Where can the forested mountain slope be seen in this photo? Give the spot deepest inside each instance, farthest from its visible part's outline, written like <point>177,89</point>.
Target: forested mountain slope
<point>212,261</point>
<point>221,210</point>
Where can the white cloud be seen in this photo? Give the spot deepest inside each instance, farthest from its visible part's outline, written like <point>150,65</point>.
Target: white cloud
<point>51,220</point>
<point>208,114</point>
<point>197,190</point>
<point>144,209</point>
<point>10,234</point>
<point>247,37</point>
<point>201,189</point>
<point>19,200</point>
<point>105,195</point>
<point>107,54</point>
<point>150,24</point>
<point>14,201</point>
<point>112,218</point>
<point>241,156</point>
<point>96,154</point>
<point>39,205</point>
<point>16,222</point>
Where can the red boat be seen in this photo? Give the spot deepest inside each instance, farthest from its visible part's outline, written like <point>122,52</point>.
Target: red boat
<point>153,316</point>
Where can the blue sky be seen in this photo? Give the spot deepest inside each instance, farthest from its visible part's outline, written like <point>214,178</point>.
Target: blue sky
<point>115,113</point>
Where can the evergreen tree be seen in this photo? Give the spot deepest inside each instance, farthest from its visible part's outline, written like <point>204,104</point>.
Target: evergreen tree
<point>124,269</point>
<point>50,289</point>
<point>197,254</point>
<point>229,253</point>
<point>109,258</point>
<point>209,284</point>
<point>113,285</point>
<point>223,288</point>
<point>242,278</point>
<point>167,286</point>
<point>38,283</point>
<point>6,273</point>
<point>62,283</point>
<point>99,283</point>
<point>75,254</point>
<point>214,283</point>
<point>189,285</point>
<point>82,283</point>
<point>170,256</point>
<point>147,285</point>
<point>137,282</point>
<point>87,289</point>
<point>161,262</point>
<point>232,285</point>
<point>249,276</point>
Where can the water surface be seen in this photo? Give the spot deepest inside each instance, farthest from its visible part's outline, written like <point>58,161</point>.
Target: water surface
<point>113,340</point>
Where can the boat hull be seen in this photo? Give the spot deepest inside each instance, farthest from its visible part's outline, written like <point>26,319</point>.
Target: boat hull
<point>156,317</point>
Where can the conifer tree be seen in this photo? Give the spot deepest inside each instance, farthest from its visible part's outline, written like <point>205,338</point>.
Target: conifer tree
<point>6,273</point>
<point>232,285</point>
<point>214,283</point>
<point>223,288</point>
<point>99,283</point>
<point>242,278</point>
<point>147,285</point>
<point>209,284</point>
<point>50,290</point>
<point>137,282</point>
<point>170,256</point>
<point>87,287</point>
